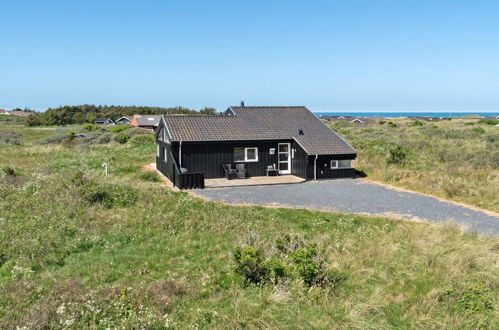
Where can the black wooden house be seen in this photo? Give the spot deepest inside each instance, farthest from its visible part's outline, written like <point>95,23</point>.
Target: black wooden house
<point>290,139</point>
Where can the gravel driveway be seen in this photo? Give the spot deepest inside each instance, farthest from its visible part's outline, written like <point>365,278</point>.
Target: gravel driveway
<point>356,196</point>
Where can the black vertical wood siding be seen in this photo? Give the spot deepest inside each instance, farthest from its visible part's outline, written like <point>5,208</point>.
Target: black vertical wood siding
<point>324,170</point>
<point>209,157</point>
<point>299,162</point>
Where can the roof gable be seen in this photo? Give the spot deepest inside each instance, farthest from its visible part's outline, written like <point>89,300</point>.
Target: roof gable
<point>260,123</point>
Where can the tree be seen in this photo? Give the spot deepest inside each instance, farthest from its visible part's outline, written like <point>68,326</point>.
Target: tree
<point>208,111</point>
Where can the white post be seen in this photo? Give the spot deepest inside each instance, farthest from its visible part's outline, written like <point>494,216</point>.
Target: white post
<point>105,167</point>
<point>180,155</point>
<point>315,167</point>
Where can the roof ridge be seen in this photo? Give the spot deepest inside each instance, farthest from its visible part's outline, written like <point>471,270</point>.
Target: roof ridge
<point>268,106</point>
<point>195,115</point>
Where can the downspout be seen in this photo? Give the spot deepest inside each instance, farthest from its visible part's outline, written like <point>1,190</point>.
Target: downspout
<point>315,167</point>
<point>180,156</point>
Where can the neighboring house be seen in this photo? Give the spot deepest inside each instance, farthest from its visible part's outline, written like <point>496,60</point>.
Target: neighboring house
<point>123,121</point>
<point>103,121</point>
<point>351,119</point>
<point>291,139</point>
<point>357,120</point>
<point>3,112</point>
<point>146,121</point>
<point>19,113</point>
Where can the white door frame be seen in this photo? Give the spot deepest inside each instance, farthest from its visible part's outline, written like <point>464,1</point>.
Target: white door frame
<point>288,171</point>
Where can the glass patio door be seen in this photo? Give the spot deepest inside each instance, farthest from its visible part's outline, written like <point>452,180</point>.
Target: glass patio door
<point>284,158</point>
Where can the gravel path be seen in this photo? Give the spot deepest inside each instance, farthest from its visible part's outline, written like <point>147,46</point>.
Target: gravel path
<point>357,196</point>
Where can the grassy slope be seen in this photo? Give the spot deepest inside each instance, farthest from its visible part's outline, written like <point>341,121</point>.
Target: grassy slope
<point>166,260</point>
<point>450,159</point>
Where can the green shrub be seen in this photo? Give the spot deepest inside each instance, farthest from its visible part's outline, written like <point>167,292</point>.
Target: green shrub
<point>104,138</point>
<point>122,138</point>
<point>469,123</point>
<point>9,171</point>
<point>142,139</point>
<point>250,264</point>
<point>417,123</point>
<point>309,269</point>
<point>488,121</point>
<point>71,135</point>
<point>90,127</point>
<point>293,260</point>
<point>478,130</point>
<point>397,155</point>
<point>119,129</point>
<point>150,176</point>
<point>473,300</point>
<point>392,124</point>
<point>382,122</point>
<point>107,194</point>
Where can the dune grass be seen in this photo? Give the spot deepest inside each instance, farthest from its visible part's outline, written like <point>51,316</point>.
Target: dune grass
<point>78,249</point>
<point>456,159</point>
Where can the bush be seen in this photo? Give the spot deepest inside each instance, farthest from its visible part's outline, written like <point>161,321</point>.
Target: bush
<point>119,129</point>
<point>478,130</point>
<point>142,139</point>
<point>417,123</point>
<point>250,264</point>
<point>90,127</point>
<point>122,138</point>
<point>71,135</point>
<point>382,122</point>
<point>397,155</point>
<point>104,138</point>
<point>392,124</point>
<point>150,176</point>
<point>9,171</point>
<point>107,194</point>
<point>293,260</point>
<point>488,121</point>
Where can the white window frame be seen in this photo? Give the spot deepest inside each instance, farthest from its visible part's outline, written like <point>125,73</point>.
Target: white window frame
<point>246,160</point>
<point>157,152</point>
<point>337,162</point>
<point>165,155</point>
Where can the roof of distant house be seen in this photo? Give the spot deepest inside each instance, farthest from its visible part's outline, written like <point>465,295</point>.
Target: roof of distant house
<point>260,123</point>
<point>147,120</point>
<point>20,113</point>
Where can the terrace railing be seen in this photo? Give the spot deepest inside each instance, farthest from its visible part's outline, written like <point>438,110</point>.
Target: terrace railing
<point>187,180</point>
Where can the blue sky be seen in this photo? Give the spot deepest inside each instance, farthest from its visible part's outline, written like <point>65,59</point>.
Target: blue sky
<point>328,55</point>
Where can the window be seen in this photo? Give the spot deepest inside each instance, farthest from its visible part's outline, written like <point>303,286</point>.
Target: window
<point>246,154</point>
<point>344,163</point>
<point>165,155</point>
<point>157,151</point>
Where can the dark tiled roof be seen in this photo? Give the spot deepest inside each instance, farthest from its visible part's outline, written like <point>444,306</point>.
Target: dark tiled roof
<point>148,120</point>
<point>260,123</point>
<point>103,120</point>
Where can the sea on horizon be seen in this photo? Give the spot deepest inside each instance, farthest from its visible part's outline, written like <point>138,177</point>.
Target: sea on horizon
<point>406,114</point>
